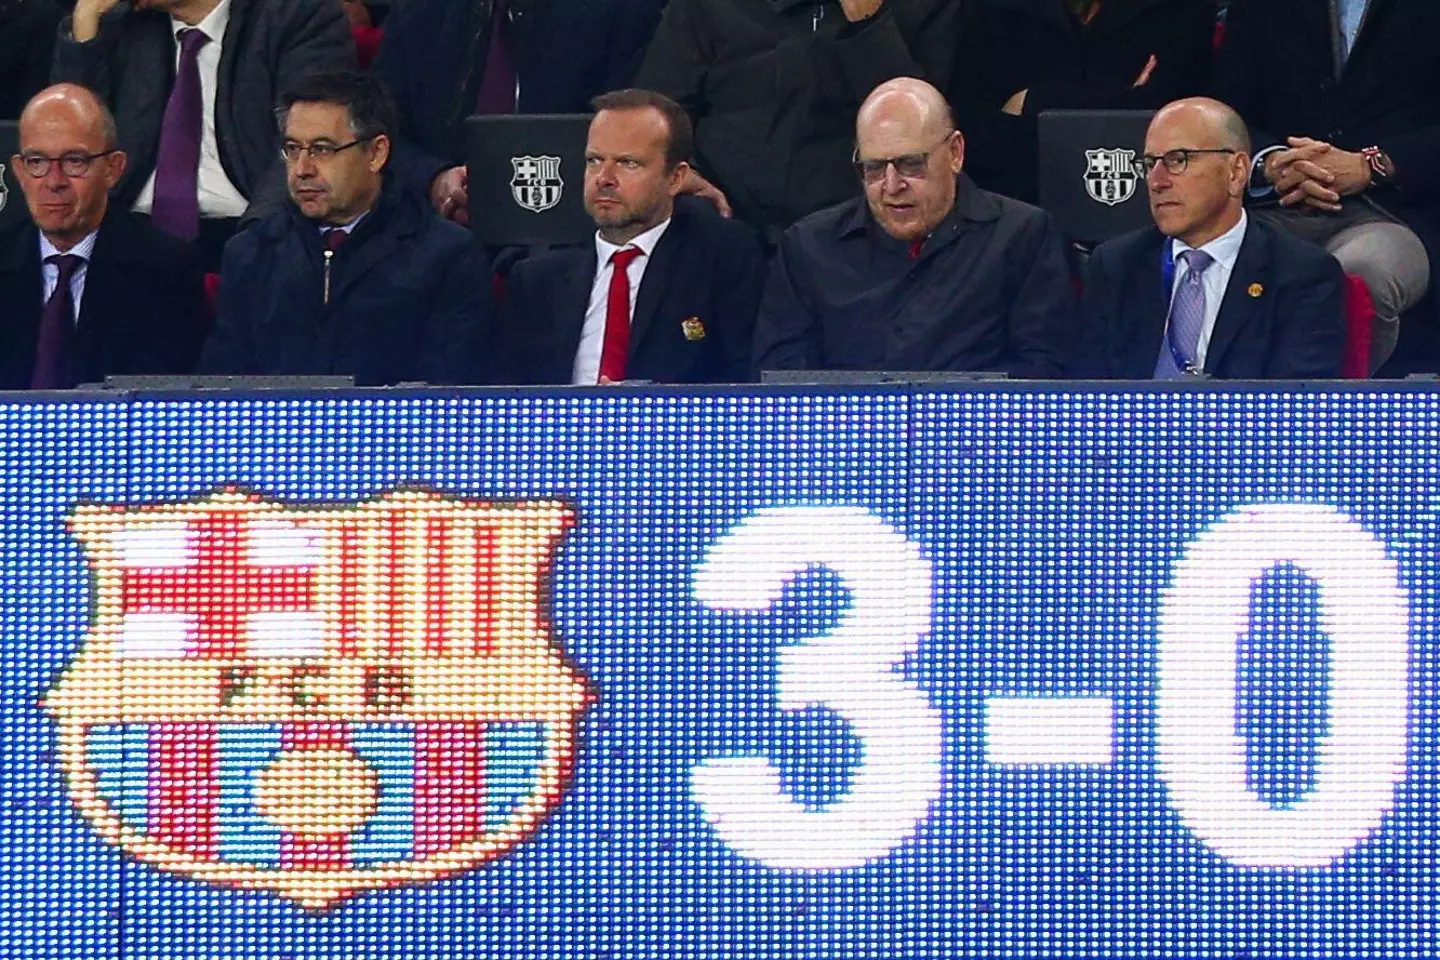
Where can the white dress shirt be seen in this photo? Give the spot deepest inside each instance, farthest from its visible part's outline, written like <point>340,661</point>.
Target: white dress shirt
<point>592,335</point>
<point>51,273</point>
<point>217,195</point>
<point>1224,250</point>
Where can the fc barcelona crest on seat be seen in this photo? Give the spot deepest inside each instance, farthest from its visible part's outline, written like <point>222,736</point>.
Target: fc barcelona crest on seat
<point>1111,176</point>
<point>536,185</point>
<point>319,701</point>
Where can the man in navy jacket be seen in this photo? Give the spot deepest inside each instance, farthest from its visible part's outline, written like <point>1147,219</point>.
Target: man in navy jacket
<point>353,277</point>
<point>447,59</point>
<point>667,292</point>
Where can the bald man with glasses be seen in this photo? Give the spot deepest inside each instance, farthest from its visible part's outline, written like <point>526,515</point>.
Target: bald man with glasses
<point>87,289</point>
<point>926,271</point>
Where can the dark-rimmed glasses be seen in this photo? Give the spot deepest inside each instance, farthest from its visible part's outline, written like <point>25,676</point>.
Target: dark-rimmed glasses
<point>319,152</point>
<point>910,166</point>
<point>38,165</point>
<point>1175,161</point>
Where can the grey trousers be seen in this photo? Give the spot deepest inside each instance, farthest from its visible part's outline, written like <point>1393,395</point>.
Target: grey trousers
<point>1374,246</point>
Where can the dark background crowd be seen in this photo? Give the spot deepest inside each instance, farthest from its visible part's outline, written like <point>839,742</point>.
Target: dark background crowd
<point>261,187</point>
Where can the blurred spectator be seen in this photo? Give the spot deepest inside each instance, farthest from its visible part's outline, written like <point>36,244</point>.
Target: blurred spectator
<point>1349,93</point>
<point>27,42</point>
<point>1020,57</point>
<point>666,293</point>
<point>362,27</point>
<point>193,84</point>
<point>926,271</point>
<point>88,289</point>
<point>1208,290</point>
<point>448,59</point>
<point>773,85</point>
<point>354,276</point>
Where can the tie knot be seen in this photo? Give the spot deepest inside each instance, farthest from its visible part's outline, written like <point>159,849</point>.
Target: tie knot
<point>1198,261</point>
<point>191,40</point>
<point>66,263</point>
<point>335,239</point>
<point>623,258</point>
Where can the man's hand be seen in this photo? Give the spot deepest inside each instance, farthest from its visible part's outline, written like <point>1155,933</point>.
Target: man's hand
<point>1146,72</point>
<point>450,195</point>
<point>856,10</point>
<point>1316,174</point>
<point>85,22</point>
<point>357,12</point>
<point>697,186</point>
<point>1016,104</point>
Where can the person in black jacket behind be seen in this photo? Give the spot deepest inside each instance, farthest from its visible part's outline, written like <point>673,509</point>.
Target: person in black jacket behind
<point>1021,57</point>
<point>772,87</point>
<point>354,277</point>
<point>444,60</point>
<point>27,39</point>
<point>201,172</point>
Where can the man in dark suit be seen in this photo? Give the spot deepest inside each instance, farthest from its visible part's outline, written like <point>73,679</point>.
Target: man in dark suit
<point>926,271</point>
<point>1343,101</point>
<point>667,292</point>
<point>193,85</point>
<point>353,277</point>
<point>1208,290</point>
<point>447,59</point>
<point>87,290</point>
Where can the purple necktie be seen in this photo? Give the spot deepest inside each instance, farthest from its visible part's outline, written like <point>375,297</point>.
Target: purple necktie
<point>53,370</point>
<point>497,83</point>
<point>1187,317</point>
<point>176,208</point>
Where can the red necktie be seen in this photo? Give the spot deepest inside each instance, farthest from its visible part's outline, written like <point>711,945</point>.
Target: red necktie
<point>616,351</point>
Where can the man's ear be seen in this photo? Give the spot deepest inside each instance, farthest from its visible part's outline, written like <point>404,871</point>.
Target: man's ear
<point>115,165</point>
<point>957,152</point>
<point>677,179</point>
<point>379,153</point>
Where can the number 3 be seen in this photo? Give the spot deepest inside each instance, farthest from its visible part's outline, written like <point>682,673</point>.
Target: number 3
<point>853,670</point>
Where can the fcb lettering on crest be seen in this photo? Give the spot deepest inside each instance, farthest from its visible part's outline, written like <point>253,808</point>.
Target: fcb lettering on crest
<point>1111,176</point>
<point>536,184</point>
<point>319,701</point>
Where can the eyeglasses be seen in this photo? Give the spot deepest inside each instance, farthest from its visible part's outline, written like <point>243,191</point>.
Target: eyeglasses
<point>911,166</point>
<point>319,152</point>
<point>38,165</point>
<point>1175,161</point>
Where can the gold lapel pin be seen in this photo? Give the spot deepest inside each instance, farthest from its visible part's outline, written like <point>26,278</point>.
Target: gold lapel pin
<point>1256,290</point>
<point>693,328</point>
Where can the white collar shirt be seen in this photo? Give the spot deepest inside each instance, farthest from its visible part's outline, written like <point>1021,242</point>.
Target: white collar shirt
<point>1225,251</point>
<point>50,272</point>
<point>592,336</point>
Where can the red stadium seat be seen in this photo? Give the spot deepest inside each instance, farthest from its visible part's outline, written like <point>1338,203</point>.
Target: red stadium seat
<point>1359,320</point>
<point>212,290</point>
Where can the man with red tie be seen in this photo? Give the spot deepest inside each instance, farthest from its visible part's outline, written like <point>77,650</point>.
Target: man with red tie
<point>352,277</point>
<point>88,290</point>
<point>669,290</point>
<point>193,85</point>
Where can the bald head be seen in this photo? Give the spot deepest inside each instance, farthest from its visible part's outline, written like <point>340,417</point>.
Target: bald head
<point>1217,120</point>
<point>905,102</point>
<point>74,106</point>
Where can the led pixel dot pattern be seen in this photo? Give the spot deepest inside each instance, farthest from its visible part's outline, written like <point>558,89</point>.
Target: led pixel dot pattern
<point>1003,672</point>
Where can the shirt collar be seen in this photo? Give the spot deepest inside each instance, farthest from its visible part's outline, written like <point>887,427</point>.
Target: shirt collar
<point>1224,249</point>
<point>213,26</point>
<point>971,203</point>
<point>84,249</point>
<point>646,242</point>
<point>345,227</point>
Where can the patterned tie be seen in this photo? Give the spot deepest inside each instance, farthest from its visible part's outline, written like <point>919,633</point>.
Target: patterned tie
<point>1187,316</point>
<point>176,208</point>
<point>53,367</point>
<point>497,83</point>
<point>615,353</point>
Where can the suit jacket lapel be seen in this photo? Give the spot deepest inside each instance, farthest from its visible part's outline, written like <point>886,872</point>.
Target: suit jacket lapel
<point>102,332</point>
<point>21,279</point>
<point>657,278</point>
<point>1145,315</point>
<point>1239,307</point>
<point>1363,37</point>
<point>572,300</point>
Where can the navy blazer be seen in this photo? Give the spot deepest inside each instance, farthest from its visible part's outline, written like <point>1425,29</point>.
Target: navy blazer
<point>142,312</point>
<point>1283,316</point>
<point>565,52</point>
<point>694,313</point>
<point>409,299</point>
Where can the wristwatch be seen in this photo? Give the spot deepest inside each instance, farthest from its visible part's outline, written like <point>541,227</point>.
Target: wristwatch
<point>1382,171</point>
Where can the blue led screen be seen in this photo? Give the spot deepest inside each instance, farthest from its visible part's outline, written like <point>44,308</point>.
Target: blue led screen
<point>1002,672</point>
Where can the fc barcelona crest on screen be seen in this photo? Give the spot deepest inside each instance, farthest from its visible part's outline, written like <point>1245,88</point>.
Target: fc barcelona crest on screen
<point>1111,176</point>
<point>536,184</point>
<point>322,700</point>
